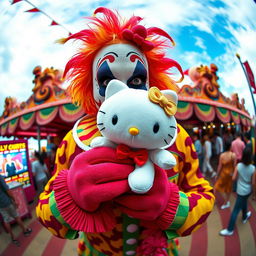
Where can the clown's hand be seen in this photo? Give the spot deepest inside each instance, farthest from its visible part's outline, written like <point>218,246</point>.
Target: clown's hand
<point>102,142</point>
<point>96,176</point>
<point>147,206</point>
<point>85,192</point>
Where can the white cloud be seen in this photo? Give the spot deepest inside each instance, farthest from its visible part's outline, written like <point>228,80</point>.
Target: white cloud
<point>196,58</point>
<point>200,42</point>
<point>27,39</point>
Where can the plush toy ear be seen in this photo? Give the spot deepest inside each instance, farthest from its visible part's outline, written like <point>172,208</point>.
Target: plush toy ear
<point>170,95</point>
<point>114,86</point>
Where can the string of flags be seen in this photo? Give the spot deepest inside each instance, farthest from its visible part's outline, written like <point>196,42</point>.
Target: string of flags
<point>36,9</point>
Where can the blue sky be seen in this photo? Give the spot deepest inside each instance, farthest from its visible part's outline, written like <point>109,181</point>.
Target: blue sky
<point>205,31</point>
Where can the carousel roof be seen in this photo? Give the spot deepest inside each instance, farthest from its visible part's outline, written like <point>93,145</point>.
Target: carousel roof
<point>50,108</point>
<point>203,102</point>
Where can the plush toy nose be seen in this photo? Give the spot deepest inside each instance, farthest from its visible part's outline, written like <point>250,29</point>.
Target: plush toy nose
<point>134,131</point>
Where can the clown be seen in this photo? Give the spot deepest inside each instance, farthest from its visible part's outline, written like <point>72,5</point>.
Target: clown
<point>89,193</point>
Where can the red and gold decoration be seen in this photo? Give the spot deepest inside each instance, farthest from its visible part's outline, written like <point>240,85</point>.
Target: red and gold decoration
<point>204,103</point>
<point>50,107</point>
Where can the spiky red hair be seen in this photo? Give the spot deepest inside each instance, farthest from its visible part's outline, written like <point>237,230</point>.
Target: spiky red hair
<point>105,31</point>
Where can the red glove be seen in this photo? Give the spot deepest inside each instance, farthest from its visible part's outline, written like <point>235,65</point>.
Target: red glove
<point>160,201</point>
<point>94,178</point>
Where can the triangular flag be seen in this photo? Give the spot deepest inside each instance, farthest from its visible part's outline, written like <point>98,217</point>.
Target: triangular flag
<point>33,10</point>
<point>186,72</point>
<point>54,23</point>
<point>16,1</point>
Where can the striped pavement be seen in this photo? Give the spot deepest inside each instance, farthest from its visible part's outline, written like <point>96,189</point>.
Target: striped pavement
<point>204,242</point>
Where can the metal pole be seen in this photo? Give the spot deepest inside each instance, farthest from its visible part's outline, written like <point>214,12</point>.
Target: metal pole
<point>248,81</point>
<point>39,138</point>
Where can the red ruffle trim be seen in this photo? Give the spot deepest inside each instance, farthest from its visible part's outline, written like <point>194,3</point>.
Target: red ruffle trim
<point>101,220</point>
<point>168,215</point>
<point>154,243</point>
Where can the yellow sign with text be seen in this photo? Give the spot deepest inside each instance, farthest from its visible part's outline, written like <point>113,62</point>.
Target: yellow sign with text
<point>17,146</point>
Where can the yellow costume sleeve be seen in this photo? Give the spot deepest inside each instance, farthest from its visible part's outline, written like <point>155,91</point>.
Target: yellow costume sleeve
<point>46,209</point>
<point>196,195</point>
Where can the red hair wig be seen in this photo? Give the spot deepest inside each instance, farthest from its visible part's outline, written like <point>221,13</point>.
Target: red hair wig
<point>107,30</point>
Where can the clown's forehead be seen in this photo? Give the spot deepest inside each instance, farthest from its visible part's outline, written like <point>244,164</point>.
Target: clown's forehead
<point>119,53</point>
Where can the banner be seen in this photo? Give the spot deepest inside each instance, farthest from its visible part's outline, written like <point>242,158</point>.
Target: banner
<point>250,75</point>
<point>35,9</point>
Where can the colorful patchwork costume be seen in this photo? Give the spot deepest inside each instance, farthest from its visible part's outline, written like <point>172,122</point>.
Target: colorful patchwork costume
<point>89,192</point>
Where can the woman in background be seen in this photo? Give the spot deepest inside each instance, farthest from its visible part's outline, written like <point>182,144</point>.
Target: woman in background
<point>226,167</point>
<point>245,175</point>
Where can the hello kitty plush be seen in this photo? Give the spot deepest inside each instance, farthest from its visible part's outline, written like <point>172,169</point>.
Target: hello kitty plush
<point>140,124</point>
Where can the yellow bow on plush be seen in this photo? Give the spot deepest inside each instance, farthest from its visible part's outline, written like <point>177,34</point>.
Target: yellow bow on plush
<point>156,96</point>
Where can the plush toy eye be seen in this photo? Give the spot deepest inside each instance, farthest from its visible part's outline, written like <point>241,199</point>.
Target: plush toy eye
<point>114,119</point>
<point>156,128</point>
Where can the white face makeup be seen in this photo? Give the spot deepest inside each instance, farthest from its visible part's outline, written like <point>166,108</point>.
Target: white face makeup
<point>124,62</point>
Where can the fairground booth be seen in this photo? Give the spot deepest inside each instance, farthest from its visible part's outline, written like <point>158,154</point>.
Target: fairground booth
<point>49,111</point>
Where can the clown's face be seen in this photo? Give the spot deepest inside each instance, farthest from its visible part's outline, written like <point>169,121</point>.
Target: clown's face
<point>119,61</point>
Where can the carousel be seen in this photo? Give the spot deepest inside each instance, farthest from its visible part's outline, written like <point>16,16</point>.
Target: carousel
<point>203,105</point>
<point>49,111</point>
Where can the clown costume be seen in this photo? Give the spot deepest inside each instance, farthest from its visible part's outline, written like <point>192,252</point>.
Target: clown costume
<point>89,196</point>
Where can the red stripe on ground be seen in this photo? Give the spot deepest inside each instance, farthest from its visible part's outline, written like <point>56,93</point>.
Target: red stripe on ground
<point>12,249</point>
<point>232,243</point>
<point>252,220</point>
<point>199,242</point>
<point>54,246</point>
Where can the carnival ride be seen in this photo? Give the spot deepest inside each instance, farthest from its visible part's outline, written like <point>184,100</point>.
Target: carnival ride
<point>49,111</point>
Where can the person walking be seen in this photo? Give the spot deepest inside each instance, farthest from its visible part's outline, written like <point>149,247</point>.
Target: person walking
<point>8,205</point>
<point>207,150</point>
<point>238,146</point>
<point>226,167</point>
<point>199,149</point>
<point>245,175</point>
<point>40,172</point>
<point>248,144</point>
<point>218,144</point>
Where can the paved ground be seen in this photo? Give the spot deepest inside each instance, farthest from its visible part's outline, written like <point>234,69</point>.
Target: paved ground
<point>204,242</point>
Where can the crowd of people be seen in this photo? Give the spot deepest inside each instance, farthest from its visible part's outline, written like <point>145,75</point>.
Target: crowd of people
<point>235,170</point>
<point>42,166</point>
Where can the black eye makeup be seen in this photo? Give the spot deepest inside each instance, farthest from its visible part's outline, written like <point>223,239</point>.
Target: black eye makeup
<point>104,76</point>
<point>138,78</point>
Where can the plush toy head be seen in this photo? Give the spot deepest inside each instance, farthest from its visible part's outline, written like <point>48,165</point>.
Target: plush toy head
<point>138,118</point>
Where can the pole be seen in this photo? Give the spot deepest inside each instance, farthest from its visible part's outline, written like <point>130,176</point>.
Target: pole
<point>248,81</point>
<point>39,138</point>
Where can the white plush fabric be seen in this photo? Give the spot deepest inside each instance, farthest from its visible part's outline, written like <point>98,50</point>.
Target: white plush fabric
<point>126,108</point>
